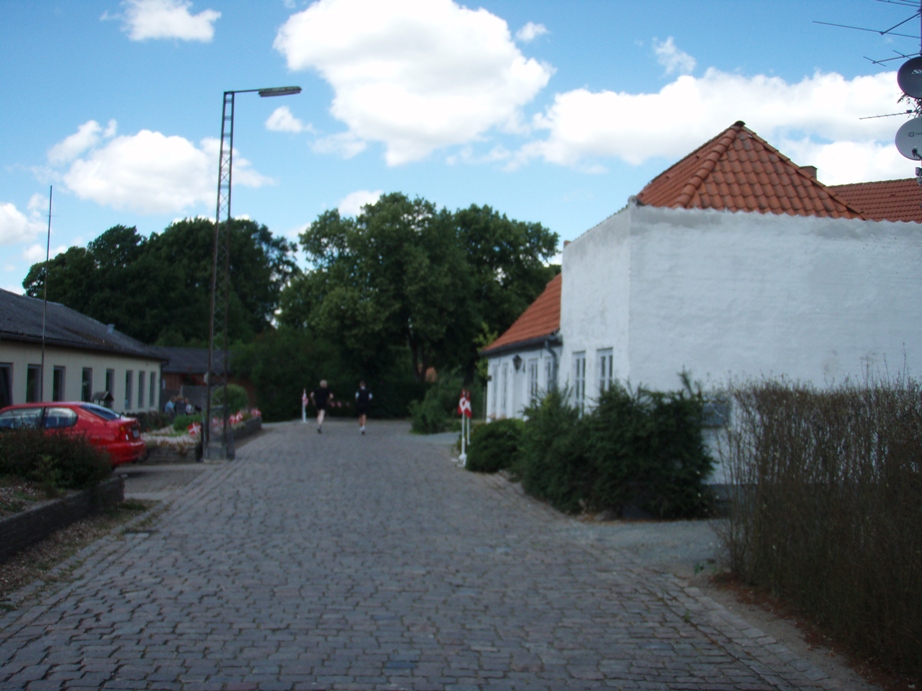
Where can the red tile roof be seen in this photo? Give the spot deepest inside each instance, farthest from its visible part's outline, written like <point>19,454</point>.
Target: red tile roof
<point>540,320</point>
<point>889,200</point>
<point>739,171</point>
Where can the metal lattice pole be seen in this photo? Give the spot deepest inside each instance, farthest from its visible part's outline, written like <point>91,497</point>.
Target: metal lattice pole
<point>220,271</point>
<point>220,283</point>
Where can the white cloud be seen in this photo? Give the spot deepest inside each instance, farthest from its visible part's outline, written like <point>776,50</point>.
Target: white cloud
<point>148,172</point>
<point>16,227</point>
<point>345,144</point>
<point>282,120</point>
<point>351,204</point>
<point>822,111</point>
<point>86,137</point>
<point>416,75</point>
<point>530,32</point>
<point>146,19</point>
<point>674,60</point>
<point>36,253</point>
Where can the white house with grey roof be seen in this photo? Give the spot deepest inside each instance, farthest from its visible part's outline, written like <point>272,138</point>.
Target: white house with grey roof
<point>83,358</point>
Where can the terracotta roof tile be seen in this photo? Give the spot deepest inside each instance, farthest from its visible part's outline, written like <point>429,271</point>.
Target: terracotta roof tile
<point>541,319</point>
<point>739,171</point>
<point>889,200</point>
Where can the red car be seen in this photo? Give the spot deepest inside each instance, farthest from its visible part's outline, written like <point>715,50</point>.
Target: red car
<point>119,436</point>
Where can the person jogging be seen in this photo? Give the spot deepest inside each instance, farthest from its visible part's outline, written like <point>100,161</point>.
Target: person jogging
<point>362,400</point>
<point>321,397</point>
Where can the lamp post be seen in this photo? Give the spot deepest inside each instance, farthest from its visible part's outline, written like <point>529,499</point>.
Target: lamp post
<point>218,449</point>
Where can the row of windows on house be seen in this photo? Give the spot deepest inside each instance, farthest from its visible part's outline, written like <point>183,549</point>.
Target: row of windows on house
<point>146,385</point>
<point>501,377</point>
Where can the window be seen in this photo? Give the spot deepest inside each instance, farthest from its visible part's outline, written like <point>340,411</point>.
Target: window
<point>129,380</point>
<point>606,377</point>
<point>140,390</point>
<point>86,384</point>
<point>33,383</point>
<point>533,381</point>
<point>505,388</point>
<point>6,385</point>
<point>549,383</point>
<point>57,384</point>
<point>56,418</point>
<point>579,380</point>
<point>110,382</point>
<point>153,390</point>
<point>494,390</point>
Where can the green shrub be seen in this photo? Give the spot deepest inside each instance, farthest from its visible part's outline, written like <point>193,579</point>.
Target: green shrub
<point>552,462</point>
<point>236,397</point>
<point>438,411</point>
<point>182,422</point>
<point>150,420</point>
<point>647,450</point>
<point>55,461</point>
<point>494,446</point>
<point>429,416</point>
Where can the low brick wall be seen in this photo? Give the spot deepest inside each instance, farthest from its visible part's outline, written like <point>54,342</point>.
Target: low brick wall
<point>35,524</point>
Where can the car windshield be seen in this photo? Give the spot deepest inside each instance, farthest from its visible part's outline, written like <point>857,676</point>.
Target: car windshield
<point>99,411</point>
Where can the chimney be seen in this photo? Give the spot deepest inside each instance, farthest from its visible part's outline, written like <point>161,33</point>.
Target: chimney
<point>566,243</point>
<point>809,171</point>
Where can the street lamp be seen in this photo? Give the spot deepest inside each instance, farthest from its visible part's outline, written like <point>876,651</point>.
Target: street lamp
<point>218,449</point>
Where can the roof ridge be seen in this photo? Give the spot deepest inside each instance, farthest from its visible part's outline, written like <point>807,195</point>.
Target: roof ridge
<point>722,143</point>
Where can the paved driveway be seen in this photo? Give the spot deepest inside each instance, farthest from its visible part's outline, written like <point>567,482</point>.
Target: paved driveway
<point>340,561</point>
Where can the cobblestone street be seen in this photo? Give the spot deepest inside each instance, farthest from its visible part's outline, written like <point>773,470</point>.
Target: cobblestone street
<point>340,561</point>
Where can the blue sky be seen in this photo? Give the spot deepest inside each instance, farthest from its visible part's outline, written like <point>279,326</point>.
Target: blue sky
<point>547,110</point>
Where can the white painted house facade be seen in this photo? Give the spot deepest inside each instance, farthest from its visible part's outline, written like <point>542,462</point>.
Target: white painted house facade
<point>82,358</point>
<point>733,264</point>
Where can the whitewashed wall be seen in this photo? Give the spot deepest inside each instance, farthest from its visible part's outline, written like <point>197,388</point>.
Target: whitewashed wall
<point>21,355</point>
<point>508,388</point>
<point>736,295</point>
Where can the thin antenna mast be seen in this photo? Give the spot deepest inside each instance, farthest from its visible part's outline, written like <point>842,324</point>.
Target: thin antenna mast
<point>41,375</point>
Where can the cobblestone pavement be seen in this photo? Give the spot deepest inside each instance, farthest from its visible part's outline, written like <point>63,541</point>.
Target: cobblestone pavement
<point>339,561</point>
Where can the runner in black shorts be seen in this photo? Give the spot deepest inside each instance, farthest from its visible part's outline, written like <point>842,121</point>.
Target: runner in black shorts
<point>362,400</point>
<point>320,397</point>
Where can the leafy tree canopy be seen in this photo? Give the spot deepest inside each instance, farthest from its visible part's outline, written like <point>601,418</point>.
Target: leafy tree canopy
<point>159,288</point>
<point>406,273</point>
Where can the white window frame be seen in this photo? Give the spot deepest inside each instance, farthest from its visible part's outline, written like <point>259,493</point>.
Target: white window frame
<point>579,380</point>
<point>532,368</point>
<point>605,358</point>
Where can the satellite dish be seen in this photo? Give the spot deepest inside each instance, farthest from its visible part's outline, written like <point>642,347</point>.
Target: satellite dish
<point>910,77</point>
<point>909,139</point>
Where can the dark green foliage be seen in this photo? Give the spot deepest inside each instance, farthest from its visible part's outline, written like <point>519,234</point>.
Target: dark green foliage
<point>494,446</point>
<point>642,449</point>
<point>405,273</point>
<point>552,462</point>
<point>438,410</point>
<point>55,461</point>
<point>152,420</point>
<point>236,396</point>
<point>647,450</point>
<point>181,422</point>
<point>283,363</point>
<point>159,288</point>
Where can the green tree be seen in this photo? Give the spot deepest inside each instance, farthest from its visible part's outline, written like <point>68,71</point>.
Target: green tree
<point>158,289</point>
<point>405,273</point>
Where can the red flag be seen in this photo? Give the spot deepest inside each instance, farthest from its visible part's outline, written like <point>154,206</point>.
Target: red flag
<point>464,405</point>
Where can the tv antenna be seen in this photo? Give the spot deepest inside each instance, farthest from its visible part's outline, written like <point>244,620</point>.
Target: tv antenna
<point>908,138</point>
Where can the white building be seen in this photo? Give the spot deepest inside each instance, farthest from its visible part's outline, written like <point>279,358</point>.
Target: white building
<point>733,264</point>
<point>83,357</point>
<point>524,361</point>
